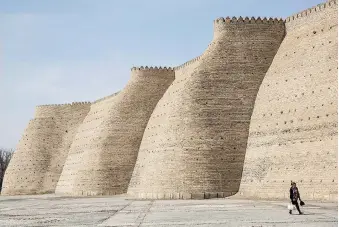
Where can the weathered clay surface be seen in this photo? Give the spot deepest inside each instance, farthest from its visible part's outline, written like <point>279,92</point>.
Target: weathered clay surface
<point>293,132</point>
<point>195,142</point>
<point>192,143</point>
<point>41,153</point>
<point>104,151</point>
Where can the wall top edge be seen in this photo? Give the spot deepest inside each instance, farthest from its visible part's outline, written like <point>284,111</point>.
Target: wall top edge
<point>313,10</point>
<point>247,20</point>
<point>145,68</point>
<point>65,104</point>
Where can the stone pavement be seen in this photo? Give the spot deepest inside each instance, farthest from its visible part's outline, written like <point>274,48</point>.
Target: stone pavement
<point>52,210</point>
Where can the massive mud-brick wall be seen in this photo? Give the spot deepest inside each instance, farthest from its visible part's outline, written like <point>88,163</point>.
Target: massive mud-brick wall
<point>83,140</point>
<point>104,151</point>
<point>293,132</point>
<point>40,155</point>
<point>195,141</point>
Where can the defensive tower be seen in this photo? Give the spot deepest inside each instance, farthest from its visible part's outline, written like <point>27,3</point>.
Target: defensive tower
<point>196,137</point>
<point>183,133</point>
<point>104,152</point>
<point>41,153</point>
<point>293,132</point>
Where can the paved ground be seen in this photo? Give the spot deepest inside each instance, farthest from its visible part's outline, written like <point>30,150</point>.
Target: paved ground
<point>51,210</point>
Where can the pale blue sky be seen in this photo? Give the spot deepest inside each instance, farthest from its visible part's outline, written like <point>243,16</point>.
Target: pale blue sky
<point>81,50</point>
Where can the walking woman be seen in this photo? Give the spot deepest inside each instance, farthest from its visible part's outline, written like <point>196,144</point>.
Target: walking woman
<point>294,196</point>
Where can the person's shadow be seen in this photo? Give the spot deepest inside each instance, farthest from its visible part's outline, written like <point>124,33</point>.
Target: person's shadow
<point>308,214</point>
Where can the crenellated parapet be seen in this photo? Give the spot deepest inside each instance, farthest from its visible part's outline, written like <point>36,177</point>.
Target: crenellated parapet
<point>194,60</point>
<point>80,103</point>
<point>108,140</point>
<point>208,125</point>
<point>312,11</point>
<point>227,27</point>
<point>105,98</point>
<point>52,105</point>
<point>294,119</point>
<point>247,20</point>
<point>63,105</point>
<point>160,72</point>
<point>151,68</point>
<point>58,110</point>
<point>188,63</point>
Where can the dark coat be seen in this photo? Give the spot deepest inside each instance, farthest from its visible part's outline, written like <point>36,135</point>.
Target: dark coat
<point>291,194</point>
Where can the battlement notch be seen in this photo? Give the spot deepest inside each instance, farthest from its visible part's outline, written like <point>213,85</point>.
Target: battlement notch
<point>154,72</point>
<point>228,27</point>
<point>311,11</point>
<point>151,68</point>
<point>247,20</point>
<point>187,63</point>
<point>81,103</point>
<point>106,97</point>
<point>53,105</point>
<point>63,105</point>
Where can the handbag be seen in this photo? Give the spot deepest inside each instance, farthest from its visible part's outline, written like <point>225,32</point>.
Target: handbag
<point>290,206</point>
<point>302,203</point>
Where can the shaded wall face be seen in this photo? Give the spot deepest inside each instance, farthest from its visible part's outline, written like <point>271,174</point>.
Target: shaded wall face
<point>105,149</point>
<point>293,131</point>
<point>196,137</point>
<point>38,160</point>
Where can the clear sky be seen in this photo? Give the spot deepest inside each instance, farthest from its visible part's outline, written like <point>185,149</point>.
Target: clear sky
<point>81,50</point>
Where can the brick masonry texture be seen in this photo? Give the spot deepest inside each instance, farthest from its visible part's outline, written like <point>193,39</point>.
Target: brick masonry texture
<point>257,109</point>
<point>105,149</point>
<point>293,132</point>
<point>41,153</point>
<point>195,141</point>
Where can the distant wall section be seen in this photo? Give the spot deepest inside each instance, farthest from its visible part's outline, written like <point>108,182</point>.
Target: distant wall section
<point>104,151</point>
<point>86,139</point>
<point>38,160</point>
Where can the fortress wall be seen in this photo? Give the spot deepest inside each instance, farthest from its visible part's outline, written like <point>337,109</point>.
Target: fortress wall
<point>182,70</point>
<point>160,118</point>
<point>311,15</point>
<point>86,138</point>
<point>72,119</point>
<point>188,67</point>
<point>26,170</point>
<point>43,148</point>
<point>196,136</point>
<point>107,144</point>
<point>293,131</point>
<point>105,98</point>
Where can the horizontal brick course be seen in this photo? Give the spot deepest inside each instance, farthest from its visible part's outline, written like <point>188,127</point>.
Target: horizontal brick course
<point>293,132</point>
<point>257,109</point>
<point>195,140</point>
<point>41,153</point>
<point>103,154</point>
